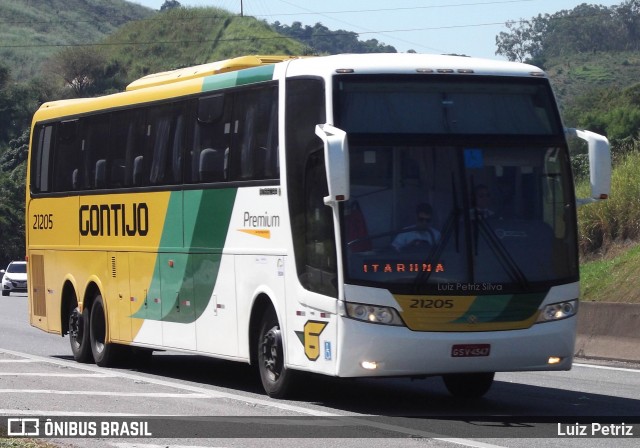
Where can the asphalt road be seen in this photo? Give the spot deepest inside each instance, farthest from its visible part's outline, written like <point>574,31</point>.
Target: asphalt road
<point>188,400</point>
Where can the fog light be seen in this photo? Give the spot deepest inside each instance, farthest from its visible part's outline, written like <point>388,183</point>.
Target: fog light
<point>554,360</point>
<point>369,365</point>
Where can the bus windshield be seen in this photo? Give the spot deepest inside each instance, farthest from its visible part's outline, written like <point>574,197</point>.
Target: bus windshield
<point>440,207</point>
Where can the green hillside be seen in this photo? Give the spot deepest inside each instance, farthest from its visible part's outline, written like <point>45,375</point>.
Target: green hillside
<point>189,36</point>
<point>578,74</point>
<point>33,30</point>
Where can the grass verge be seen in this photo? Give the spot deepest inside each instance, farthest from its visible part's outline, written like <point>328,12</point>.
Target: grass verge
<point>614,279</point>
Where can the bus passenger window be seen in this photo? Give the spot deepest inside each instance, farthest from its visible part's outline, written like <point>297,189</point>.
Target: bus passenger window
<point>255,149</point>
<point>211,141</point>
<point>40,160</point>
<point>67,153</point>
<point>96,148</point>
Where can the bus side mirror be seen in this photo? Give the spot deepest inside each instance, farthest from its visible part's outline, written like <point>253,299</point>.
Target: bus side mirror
<point>336,159</point>
<point>599,164</point>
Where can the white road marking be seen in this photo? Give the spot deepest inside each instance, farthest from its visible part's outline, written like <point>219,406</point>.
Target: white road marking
<point>186,387</point>
<point>595,366</point>
<point>225,395</point>
<point>101,393</point>
<point>150,445</point>
<point>61,375</point>
<point>32,412</point>
<point>16,360</point>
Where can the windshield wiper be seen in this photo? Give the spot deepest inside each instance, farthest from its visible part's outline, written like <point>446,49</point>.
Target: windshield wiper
<point>502,254</point>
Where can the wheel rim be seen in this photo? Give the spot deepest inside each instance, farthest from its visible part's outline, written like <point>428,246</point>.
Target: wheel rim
<point>271,353</point>
<point>98,329</point>
<point>76,327</point>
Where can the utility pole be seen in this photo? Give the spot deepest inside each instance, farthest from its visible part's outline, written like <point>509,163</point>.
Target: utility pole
<point>241,9</point>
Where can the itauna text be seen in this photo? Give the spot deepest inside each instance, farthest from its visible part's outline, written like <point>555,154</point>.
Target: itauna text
<point>402,267</point>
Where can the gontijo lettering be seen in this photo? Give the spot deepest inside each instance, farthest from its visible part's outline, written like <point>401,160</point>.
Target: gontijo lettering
<point>114,220</point>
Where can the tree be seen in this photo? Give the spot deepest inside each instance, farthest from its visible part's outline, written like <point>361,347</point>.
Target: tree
<point>170,4</point>
<point>585,28</point>
<point>12,181</point>
<point>325,41</point>
<point>79,67</point>
<point>523,41</point>
<point>16,154</point>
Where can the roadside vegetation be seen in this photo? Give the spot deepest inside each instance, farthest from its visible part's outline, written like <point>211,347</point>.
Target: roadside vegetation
<point>25,443</point>
<point>609,236</point>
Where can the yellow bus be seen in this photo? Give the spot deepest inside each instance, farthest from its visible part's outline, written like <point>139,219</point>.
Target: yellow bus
<point>350,215</point>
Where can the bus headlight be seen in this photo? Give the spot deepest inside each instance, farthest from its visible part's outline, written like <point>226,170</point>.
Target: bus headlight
<point>558,311</point>
<point>374,314</point>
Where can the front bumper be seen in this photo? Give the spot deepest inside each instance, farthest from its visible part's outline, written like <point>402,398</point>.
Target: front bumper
<point>14,286</point>
<point>398,351</point>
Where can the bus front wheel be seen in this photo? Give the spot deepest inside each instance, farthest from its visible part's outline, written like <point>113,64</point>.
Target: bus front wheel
<point>103,352</point>
<point>79,335</point>
<point>277,380</point>
<point>468,385</point>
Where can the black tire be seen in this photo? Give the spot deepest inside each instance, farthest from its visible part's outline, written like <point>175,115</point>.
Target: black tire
<point>104,353</point>
<point>79,335</point>
<point>277,380</point>
<point>5,293</point>
<point>468,385</point>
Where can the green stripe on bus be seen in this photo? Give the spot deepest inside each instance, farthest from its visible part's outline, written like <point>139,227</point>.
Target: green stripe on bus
<point>502,308</point>
<point>239,78</point>
<point>185,280</point>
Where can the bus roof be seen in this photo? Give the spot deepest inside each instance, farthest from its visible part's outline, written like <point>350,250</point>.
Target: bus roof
<point>200,71</point>
<point>407,63</point>
<point>189,80</point>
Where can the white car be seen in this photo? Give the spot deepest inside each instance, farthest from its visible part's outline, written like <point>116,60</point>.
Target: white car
<point>14,278</point>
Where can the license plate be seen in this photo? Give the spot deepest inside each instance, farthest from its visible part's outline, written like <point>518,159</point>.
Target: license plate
<point>470,350</point>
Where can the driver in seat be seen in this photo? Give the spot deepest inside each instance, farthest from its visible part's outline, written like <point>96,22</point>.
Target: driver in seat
<point>422,234</point>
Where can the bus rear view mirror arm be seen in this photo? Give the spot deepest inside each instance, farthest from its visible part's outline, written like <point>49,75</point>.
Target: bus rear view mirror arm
<point>599,164</point>
<point>336,159</point>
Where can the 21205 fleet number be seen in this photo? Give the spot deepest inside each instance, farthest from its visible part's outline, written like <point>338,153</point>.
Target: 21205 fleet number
<point>43,221</point>
<point>431,303</point>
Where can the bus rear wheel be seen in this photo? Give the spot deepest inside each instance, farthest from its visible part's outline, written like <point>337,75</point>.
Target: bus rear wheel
<point>104,353</point>
<point>277,380</point>
<point>79,335</point>
<point>468,385</point>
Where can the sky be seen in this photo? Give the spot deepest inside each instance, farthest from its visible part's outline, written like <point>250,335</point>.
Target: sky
<point>466,27</point>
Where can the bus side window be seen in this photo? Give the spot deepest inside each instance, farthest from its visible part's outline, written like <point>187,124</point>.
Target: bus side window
<point>96,148</point>
<point>124,141</point>
<point>211,140</point>
<point>40,159</point>
<point>311,220</point>
<point>67,152</point>
<point>255,151</point>
<point>178,147</point>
